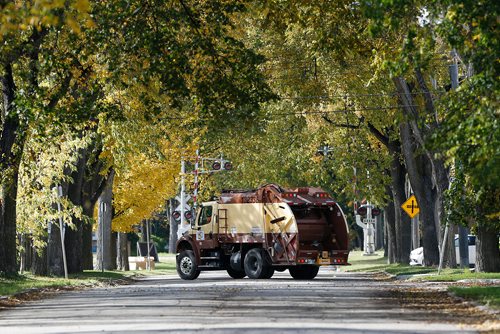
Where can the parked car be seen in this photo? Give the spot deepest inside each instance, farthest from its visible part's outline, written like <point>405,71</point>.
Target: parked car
<point>417,255</point>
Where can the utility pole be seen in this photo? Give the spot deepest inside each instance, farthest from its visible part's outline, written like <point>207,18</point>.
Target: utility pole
<point>415,237</point>
<point>463,232</point>
<point>103,209</point>
<point>183,190</point>
<point>453,68</point>
<point>196,170</point>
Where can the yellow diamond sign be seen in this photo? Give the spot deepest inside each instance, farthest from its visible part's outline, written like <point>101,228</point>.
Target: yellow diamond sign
<point>411,206</point>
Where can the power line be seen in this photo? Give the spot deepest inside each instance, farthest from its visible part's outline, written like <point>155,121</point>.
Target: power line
<point>340,111</point>
<point>350,95</point>
<point>308,112</point>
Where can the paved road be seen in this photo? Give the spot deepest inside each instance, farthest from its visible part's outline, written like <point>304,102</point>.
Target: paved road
<point>332,303</point>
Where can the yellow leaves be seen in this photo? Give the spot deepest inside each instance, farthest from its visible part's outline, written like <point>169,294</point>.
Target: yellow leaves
<point>44,163</point>
<point>73,24</point>
<point>143,189</point>
<point>23,15</point>
<point>82,6</point>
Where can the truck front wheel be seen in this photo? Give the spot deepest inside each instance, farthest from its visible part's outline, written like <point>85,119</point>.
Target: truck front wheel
<point>255,264</point>
<point>304,271</point>
<point>186,265</point>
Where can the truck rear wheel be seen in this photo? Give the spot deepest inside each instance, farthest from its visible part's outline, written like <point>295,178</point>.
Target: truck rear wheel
<point>269,272</point>
<point>186,265</point>
<point>256,265</point>
<point>304,271</point>
<point>235,273</point>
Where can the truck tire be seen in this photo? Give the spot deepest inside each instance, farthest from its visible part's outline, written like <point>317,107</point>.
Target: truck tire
<point>269,272</point>
<point>235,273</point>
<point>186,265</point>
<point>255,264</point>
<point>304,271</point>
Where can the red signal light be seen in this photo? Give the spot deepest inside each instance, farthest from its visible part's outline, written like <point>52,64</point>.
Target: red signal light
<point>176,215</point>
<point>216,165</point>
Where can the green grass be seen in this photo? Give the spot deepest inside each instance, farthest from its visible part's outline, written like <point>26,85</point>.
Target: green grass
<point>17,284</point>
<point>377,263</point>
<point>453,275</point>
<point>488,295</point>
<point>21,283</point>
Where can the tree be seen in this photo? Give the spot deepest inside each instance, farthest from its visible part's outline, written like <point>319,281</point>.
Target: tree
<point>22,64</point>
<point>465,120</point>
<point>189,56</point>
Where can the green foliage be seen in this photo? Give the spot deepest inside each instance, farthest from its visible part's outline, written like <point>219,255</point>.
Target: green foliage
<point>470,129</point>
<point>314,63</point>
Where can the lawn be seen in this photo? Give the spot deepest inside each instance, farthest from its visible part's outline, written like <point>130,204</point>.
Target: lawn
<point>488,295</point>
<point>13,285</point>
<point>378,263</point>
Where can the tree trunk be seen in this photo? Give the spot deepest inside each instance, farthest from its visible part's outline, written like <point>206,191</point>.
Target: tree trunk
<point>92,189</point>
<point>26,255</point>
<point>402,221</point>
<point>9,168</point>
<point>113,249</point>
<point>122,258</point>
<point>54,251</point>
<point>487,252</point>
<point>401,239</point>
<point>88,211</point>
<point>39,262</point>
<point>87,256</point>
<point>74,235</point>
<point>106,259</point>
<point>386,240</point>
<point>389,218</point>
<point>144,231</point>
<point>421,182</point>
<point>379,240</point>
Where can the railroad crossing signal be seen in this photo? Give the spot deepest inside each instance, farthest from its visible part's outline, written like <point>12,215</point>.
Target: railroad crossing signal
<point>411,206</point>
<point>179,210</point>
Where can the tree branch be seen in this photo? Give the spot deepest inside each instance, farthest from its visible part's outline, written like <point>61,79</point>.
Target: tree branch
<point>379,135</point>
<point>344,125</point>
<point>429,103</point>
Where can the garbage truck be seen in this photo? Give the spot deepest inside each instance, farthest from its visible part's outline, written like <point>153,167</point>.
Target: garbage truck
<point>254,233</point>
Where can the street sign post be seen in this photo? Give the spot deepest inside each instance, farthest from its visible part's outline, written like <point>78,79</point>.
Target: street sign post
<point>411,206</point>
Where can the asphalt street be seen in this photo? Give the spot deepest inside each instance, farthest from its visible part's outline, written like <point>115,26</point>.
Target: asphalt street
<point>334,302</point>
